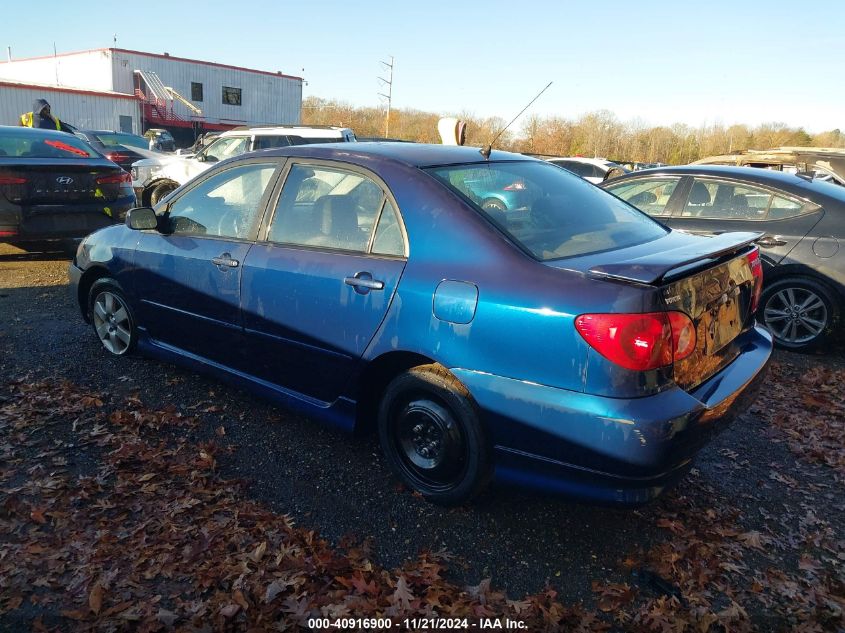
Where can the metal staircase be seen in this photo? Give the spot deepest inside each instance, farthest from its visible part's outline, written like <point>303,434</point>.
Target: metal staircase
<point>159,99</point>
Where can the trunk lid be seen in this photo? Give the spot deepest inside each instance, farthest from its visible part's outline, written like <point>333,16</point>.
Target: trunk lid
<point>62,183</point>
<point>709,278</point>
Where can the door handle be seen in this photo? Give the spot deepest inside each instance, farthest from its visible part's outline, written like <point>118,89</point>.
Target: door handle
<point>363,282</point>
<point>768,241</point>
<point>225,261</point>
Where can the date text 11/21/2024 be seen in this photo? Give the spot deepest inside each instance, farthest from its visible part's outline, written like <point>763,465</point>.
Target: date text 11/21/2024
<point>417,624</point>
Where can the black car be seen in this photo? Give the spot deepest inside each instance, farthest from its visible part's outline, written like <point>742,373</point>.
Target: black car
<point>803,246</point>
<point>118,147</point>
<point>53,185</point>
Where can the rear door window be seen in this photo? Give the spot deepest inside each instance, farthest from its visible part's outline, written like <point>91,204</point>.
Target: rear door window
<point>565,216</point>
<point>326,207</point>
<point>267,141</point>
<point>650,195</point>
<point>725,200</point>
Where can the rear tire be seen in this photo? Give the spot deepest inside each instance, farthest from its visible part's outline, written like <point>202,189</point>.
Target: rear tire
<point>800,312</point>
<point>432,438</point>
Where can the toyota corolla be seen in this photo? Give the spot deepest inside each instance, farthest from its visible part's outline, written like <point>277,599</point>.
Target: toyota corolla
<point>576,345</point>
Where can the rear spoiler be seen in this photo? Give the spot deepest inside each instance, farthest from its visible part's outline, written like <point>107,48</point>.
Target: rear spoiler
<point>656,267</point>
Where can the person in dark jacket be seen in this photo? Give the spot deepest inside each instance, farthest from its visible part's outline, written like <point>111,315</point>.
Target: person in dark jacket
<point>41,117</point>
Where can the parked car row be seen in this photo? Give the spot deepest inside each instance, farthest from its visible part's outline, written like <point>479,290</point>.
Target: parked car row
<point>373,285</point>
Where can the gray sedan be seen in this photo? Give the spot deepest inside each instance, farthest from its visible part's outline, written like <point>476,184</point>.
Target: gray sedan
<point>803,248</point>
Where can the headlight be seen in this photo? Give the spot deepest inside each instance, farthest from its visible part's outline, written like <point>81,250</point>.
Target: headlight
<point>134,173</point>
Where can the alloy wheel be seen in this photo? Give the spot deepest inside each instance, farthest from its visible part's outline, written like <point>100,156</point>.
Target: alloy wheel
<point>796,315</point>
<point>112,322</point>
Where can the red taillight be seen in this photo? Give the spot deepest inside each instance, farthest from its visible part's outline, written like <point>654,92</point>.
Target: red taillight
<point>116,157</point>
<point>115,179</point>
<point>5,233</point>
<point>757,272</point>
<point>515,186</point>
<point>639,341</point>
<point>683,335</point>
<point>12,180</point>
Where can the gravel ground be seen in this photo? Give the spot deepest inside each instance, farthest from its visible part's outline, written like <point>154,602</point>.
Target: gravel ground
<point>340,486</point>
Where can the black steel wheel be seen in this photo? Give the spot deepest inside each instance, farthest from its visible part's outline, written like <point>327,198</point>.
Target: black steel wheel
<point>799,312</point>
<point>432,437</point>
<point>112,317</point>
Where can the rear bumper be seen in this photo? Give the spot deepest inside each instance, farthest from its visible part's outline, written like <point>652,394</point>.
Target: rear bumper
<point>612,450</point>
<point>49,222</point>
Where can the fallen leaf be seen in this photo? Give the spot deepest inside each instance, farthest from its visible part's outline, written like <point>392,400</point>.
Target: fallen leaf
<point>258,553</point>
<point>37,515</point>
<point>238,597</point>
<point>95,598</point>
<point>167,618</point>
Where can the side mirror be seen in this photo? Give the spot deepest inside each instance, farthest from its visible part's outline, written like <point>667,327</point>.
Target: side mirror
<point>141,218</point>
<point>200,157</point>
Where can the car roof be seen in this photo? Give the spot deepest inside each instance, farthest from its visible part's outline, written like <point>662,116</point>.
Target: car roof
<point>304,131</point>
<point>413,154</point>
<point>600,162</point>
<point>727,171</point>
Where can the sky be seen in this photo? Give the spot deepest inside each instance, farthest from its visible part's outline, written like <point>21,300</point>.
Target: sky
<point>659,62</point>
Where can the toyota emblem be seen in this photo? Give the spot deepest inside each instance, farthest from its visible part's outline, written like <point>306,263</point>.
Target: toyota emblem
<point>64,180</point>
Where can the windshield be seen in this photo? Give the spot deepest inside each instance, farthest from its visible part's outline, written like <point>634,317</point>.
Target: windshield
<point>547,211</point>
<point>37,146</point>
<point>224,148</point>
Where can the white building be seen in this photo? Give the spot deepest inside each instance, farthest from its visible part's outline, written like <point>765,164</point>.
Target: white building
<point>97,89</point>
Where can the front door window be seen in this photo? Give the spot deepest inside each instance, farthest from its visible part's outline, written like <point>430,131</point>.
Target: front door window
<point>225,205</point>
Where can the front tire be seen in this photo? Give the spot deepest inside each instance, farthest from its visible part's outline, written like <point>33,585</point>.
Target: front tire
<point>432,438</point>
<point>799,312</point>
<point>160,191</point>
<point>112,317</point>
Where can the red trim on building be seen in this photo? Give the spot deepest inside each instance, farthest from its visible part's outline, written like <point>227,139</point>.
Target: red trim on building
<point>204,125</point>
<point>77,91</point>
<point>159,56</point>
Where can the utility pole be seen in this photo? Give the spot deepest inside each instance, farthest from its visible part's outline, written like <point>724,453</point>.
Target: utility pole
<point>389,96</point>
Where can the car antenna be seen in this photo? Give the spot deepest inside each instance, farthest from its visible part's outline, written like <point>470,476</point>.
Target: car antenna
<point>485,151</point>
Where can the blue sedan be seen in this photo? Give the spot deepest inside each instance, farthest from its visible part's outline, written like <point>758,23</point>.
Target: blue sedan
<point>575,346</point>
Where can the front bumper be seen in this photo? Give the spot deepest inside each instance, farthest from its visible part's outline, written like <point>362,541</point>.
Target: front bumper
<point>612,450</point>
<point>74,276</point>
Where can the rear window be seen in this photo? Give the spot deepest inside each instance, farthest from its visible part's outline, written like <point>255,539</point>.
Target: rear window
<point>129,140</point>
<point>47,146</point>
<point>548,211</point>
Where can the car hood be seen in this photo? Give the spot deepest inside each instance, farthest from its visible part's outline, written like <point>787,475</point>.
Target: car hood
<point>160,161</point>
